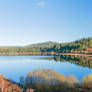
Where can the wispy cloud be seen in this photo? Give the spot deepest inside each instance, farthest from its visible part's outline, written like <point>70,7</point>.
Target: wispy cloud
<point>41,4</point>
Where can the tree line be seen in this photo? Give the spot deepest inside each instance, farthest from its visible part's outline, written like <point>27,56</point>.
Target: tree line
<point>79,46</point>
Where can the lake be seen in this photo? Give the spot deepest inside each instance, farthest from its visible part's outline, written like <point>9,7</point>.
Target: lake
<point>14,67</point>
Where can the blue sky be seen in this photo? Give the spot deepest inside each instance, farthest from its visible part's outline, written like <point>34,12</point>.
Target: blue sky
<point>24,22</point>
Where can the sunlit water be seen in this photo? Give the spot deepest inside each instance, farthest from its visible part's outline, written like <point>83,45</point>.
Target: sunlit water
<point>15,66</point>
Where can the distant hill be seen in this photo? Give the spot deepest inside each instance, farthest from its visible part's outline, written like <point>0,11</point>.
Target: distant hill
<point>44,44</point>
<point>10,46</point>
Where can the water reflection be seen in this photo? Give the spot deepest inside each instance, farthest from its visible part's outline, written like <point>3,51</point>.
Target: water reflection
<point>79,60</point>
<point>15,66</point>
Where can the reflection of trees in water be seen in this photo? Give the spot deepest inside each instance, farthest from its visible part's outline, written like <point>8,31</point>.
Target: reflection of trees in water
<point>79,60</point>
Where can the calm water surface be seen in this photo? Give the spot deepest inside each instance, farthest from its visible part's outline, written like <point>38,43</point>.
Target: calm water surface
<point>15,66</point>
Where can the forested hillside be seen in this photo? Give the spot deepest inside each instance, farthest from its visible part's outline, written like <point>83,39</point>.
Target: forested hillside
<point>79,46</point>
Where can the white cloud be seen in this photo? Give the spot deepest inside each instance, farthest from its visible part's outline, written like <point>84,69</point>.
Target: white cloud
<point>41,4</point>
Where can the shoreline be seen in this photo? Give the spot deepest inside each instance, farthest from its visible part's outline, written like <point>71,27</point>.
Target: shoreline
<point>77,54</point>
<point>46,53</point>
